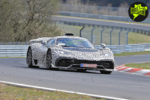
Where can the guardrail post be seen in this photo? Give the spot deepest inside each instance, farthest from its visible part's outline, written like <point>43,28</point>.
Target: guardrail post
<point>92,37</point>
<point>101,35</point>
<point>111,36</point>
<point>81,30</point>
<point>127,33</point>
<point>119,35</point>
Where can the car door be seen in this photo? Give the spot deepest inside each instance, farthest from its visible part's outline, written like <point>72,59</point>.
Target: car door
<point>42,49</point>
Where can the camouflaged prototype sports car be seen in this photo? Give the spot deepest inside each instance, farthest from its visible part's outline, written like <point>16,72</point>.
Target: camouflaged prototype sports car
<point>69,52</point>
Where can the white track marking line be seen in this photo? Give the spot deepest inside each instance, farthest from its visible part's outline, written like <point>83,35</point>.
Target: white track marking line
<point>59,90</point>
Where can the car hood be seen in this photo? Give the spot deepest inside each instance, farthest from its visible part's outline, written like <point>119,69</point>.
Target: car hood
<point>87,53</point>
<point>80,49</point>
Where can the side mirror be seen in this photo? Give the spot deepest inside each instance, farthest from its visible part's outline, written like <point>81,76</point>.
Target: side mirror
<point>61,44</point>
<point>103,45</point>
<point>44,42</point>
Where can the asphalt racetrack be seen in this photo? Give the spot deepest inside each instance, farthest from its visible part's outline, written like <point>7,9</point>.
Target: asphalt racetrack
<point>122,85</point>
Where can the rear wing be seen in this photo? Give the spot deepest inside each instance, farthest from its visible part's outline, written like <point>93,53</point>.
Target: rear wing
<point>39,40</point>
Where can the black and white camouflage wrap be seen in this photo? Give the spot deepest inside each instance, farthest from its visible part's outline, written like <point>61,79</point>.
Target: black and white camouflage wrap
<point>39,52</point>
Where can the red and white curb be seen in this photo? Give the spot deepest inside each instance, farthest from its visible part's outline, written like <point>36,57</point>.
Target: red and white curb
<point>137,71</point>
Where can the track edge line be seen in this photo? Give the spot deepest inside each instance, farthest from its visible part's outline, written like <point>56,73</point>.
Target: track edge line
<point>59,90</point>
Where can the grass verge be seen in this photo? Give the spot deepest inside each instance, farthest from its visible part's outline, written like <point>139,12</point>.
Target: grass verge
<point>16,93</point>
<point>139,65</point>
<point>132,53</point>
<point>136,38</point>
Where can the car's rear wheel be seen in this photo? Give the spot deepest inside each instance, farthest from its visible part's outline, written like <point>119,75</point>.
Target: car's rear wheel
<point>29,58</point>
<point>49,59</point>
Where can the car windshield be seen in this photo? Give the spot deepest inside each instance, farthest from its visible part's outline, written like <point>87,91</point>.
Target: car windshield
<point>75,42</point>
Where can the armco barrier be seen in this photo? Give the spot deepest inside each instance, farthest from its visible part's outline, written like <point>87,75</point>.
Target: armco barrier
<point>13,50</point>
<point>99,16</point>
<point>20,50</point>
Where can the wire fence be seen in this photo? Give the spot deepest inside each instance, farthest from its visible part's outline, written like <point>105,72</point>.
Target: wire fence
<point>98,35</point>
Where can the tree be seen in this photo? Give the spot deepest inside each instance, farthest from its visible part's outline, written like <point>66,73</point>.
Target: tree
<point>22,20</point>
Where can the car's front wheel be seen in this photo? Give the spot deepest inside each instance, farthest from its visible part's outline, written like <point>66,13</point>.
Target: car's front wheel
<point>105,72</point>
<point>81,70</point>
<point>107,65</point>
<point>49,59</point>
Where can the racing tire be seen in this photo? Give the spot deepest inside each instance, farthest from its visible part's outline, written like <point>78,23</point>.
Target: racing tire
<point>49,59</point>
<point>107,65</point>
<point>29,58</point>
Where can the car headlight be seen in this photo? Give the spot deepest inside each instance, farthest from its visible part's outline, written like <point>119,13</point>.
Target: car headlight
<point>107,53</point>
<point>62,52</point>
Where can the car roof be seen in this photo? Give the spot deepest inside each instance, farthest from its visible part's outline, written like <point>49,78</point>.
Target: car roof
<point>69,37</point>
<point>56,37</point>
<point>42,38</point>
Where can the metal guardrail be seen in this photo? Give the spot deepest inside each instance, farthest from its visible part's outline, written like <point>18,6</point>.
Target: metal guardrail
<point>89,22</point>
<point>20,50</point>
<point>13,50</point>
<point>14,43</point>
<point>99,16</point>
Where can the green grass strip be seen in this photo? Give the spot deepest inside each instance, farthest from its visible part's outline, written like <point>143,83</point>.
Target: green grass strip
<point>132,53</point>
<point>16,93</point>
<point>139,65</point>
